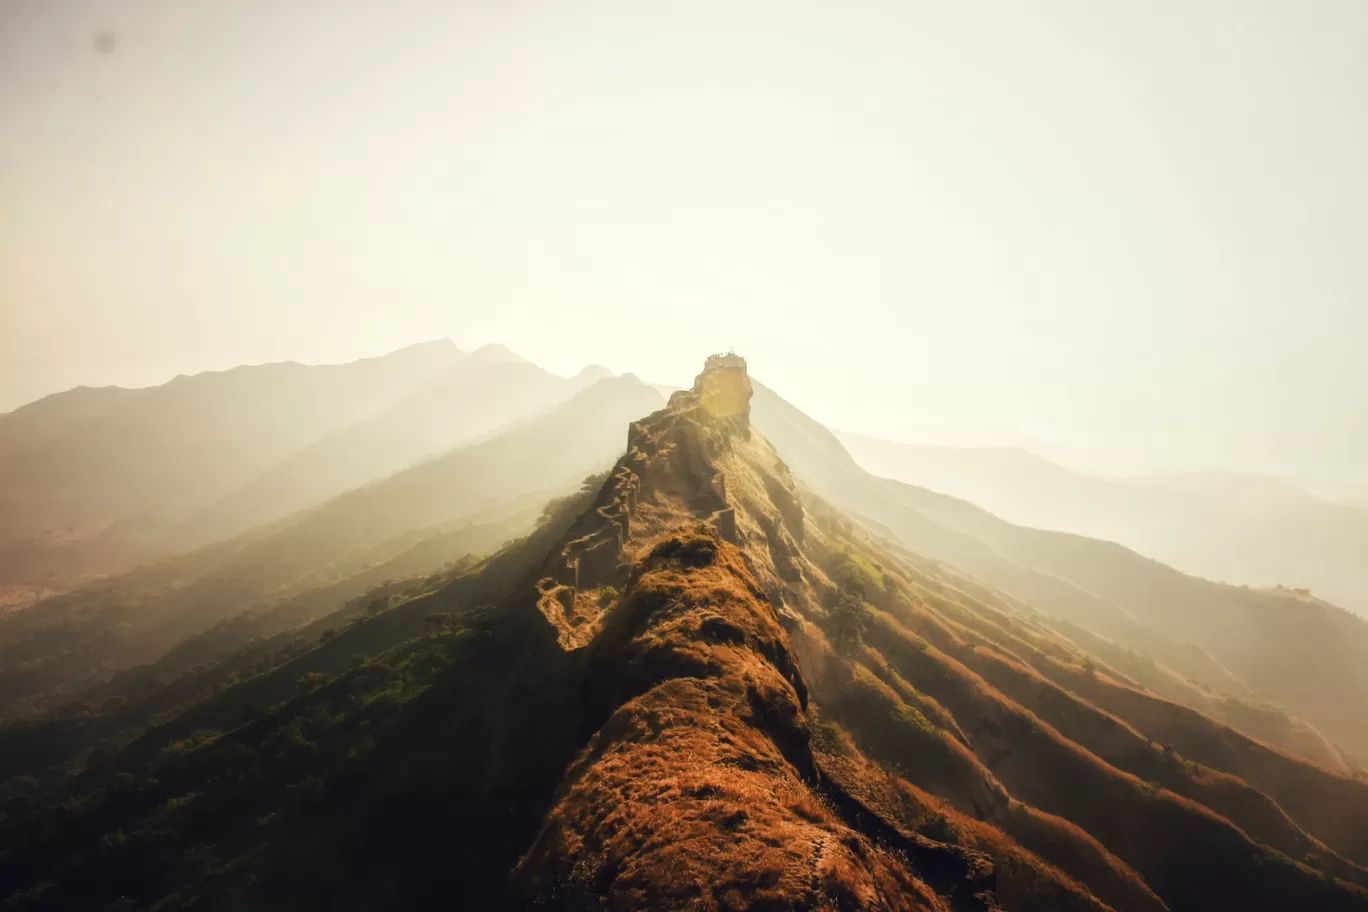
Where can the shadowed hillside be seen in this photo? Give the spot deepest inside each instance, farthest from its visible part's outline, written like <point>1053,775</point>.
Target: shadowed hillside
<point>61,646</point>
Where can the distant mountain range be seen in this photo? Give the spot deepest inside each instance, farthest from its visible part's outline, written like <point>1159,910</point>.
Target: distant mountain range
<point>96,481</point>
<point>1241,529</point>
<point>493,638</point>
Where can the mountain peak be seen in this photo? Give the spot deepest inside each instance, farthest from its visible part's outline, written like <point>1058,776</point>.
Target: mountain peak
<point>590,375</point>
<point>444,344</point>
<point>721,393</point>
<point>497,352</point>
<point>682,465</point>
<point>593,373</point>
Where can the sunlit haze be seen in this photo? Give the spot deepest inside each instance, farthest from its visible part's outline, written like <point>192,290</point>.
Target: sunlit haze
<point>748,455</point>
<point>1127,236</point>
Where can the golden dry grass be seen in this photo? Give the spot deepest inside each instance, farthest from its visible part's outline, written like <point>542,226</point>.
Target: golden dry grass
<point>695,794</point>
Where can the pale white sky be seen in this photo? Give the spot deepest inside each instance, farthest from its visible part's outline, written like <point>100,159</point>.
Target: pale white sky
<point>1130,235</point>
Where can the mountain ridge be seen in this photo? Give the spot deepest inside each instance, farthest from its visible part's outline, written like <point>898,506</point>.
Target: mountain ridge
<point>728,672</point>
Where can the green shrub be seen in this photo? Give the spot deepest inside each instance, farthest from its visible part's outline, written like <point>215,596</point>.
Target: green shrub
<point>935,825</point>
<point>827,739</point>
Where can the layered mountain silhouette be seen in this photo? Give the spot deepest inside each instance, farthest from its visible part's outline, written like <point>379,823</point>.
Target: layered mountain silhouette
<point>1183,633</point>
<point>1225,526</point>
<point>728,669</point>
<point>96,481</point>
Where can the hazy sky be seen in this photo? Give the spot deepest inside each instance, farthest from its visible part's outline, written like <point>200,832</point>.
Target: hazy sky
<point>1131,234</point>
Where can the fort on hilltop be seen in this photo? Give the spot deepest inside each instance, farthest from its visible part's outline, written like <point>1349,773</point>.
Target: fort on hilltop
<point>724,361</point>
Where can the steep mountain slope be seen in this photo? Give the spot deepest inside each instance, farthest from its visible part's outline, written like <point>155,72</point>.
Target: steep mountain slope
<point>687,688</point>
<point>1241,529</point>
<point>1257,645</point>
<point>66,644</point>
<point>88,477</point>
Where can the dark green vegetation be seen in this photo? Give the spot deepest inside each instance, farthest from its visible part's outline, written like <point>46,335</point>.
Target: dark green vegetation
<point>686,686</point>
<point>341,744</point>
